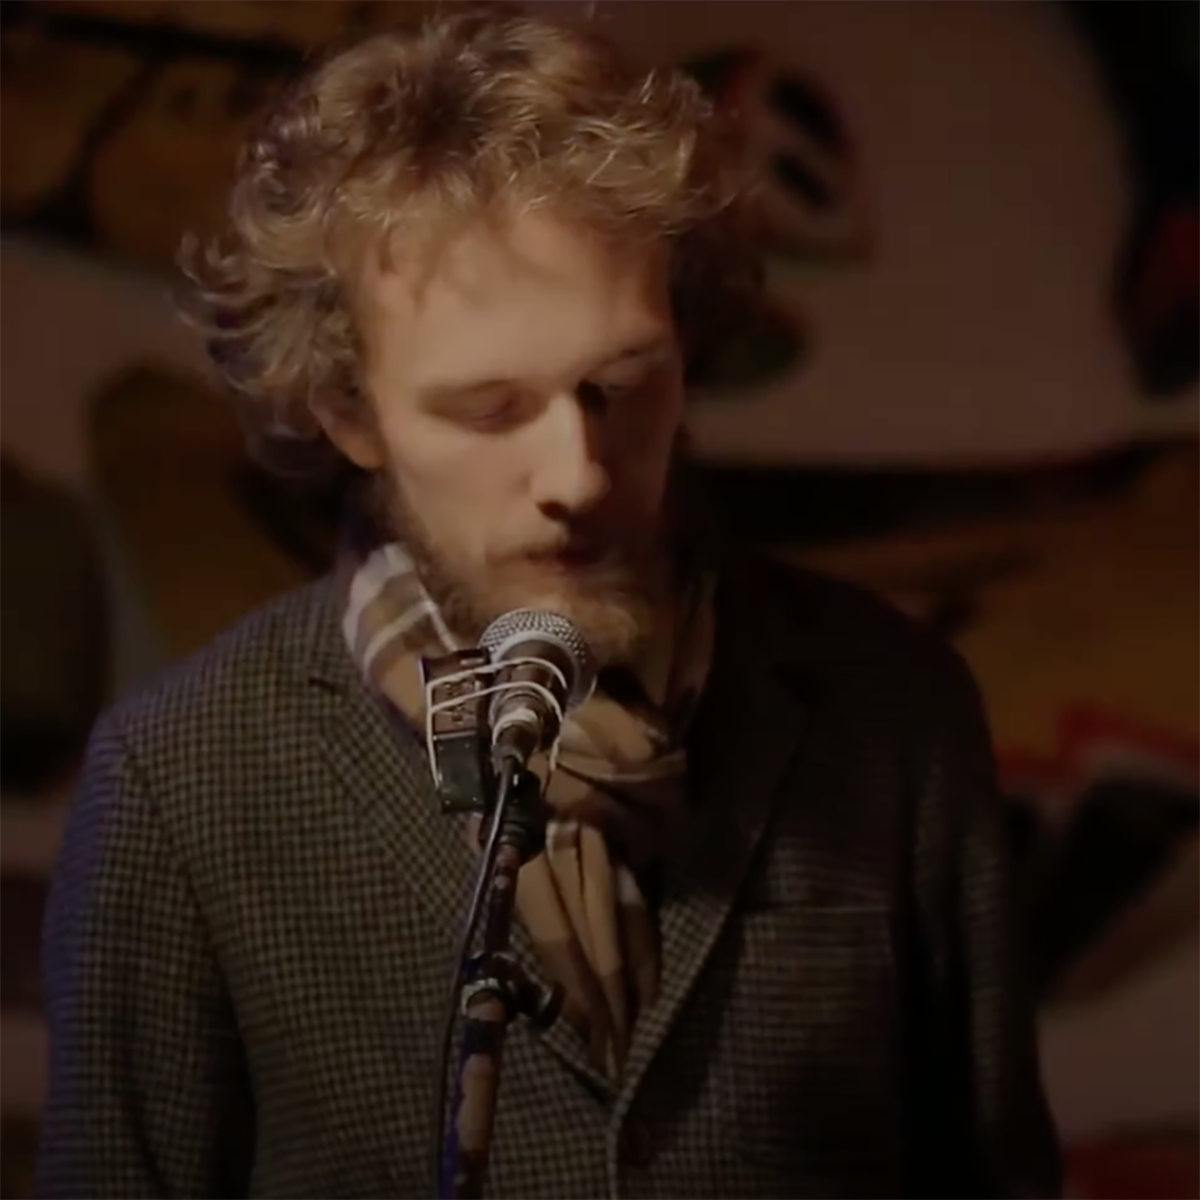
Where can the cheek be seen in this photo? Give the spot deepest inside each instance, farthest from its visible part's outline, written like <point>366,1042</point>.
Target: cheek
<point>426,458</point>
<point>457,488</point>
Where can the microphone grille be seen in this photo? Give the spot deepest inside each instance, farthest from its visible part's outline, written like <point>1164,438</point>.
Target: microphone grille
<point>509,631</point>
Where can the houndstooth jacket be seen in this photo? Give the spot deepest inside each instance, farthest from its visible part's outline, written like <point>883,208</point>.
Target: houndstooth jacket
<point>254,915</point>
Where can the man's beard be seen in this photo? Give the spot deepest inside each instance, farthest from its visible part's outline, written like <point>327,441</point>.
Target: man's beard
<point>616,603</point>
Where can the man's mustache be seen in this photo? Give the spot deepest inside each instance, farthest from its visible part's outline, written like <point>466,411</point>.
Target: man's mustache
<point>569,550</point>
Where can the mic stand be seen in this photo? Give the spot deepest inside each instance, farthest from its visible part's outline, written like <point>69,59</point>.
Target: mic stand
<point>495,988</point>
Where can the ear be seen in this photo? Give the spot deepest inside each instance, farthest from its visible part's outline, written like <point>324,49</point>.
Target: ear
<point>354,431</point>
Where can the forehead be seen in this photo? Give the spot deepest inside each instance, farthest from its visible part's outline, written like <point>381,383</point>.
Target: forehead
<point>533,298</point>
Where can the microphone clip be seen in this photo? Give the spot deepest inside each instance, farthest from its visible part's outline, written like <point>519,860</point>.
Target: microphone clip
<point>456,687</point>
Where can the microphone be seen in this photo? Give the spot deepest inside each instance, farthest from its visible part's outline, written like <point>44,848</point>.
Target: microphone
<point>551,671</point>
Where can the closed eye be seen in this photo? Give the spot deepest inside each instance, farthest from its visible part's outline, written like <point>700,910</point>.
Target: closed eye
<point>494,412</point>
<point>627,383</point>
<point>594,393</point>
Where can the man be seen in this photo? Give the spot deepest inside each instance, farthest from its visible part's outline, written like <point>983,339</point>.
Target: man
<point>475,263</point>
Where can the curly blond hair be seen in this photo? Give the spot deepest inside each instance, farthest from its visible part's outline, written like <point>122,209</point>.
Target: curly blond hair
<point>401,138</point>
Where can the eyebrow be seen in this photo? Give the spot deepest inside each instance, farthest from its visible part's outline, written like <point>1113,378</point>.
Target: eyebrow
<point>648,349</point>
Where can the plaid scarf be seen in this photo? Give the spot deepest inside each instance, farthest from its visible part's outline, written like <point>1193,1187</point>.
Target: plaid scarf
<point>614,800</point>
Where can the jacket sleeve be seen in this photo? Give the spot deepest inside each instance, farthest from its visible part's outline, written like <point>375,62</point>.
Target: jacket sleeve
<point>984,1127</point>
<point>147,1093</point>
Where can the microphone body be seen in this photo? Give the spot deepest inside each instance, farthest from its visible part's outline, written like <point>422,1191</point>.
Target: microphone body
<point>546,671</point>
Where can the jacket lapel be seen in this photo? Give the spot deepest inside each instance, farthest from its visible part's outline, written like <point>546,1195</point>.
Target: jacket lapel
<point>745,736</point>
<point>380,764</point>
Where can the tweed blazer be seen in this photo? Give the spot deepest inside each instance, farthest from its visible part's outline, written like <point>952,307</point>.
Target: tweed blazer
<point>254,915</point>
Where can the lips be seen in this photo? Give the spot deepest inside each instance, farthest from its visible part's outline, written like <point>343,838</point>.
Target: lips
<point>575,560</point>
<point>571,557</point>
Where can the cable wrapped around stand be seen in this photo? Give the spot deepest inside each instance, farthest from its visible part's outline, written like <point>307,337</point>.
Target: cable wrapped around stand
<point>494,989</point>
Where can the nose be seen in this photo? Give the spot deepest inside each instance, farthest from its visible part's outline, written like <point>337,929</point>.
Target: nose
<point>570,478</point>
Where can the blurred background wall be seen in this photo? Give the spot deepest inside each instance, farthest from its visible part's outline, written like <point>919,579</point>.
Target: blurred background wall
<point>975,391</point>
